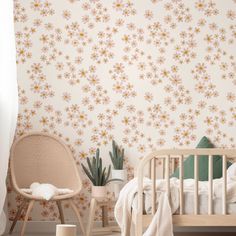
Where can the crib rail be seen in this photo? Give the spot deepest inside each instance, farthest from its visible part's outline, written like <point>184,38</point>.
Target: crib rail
<point>167,156</point>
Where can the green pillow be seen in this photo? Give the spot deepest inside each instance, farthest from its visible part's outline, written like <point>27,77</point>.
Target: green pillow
<point>202,164</point>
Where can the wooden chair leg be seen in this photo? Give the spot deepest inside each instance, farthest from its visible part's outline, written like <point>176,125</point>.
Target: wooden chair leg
<point>93,204</point>
<point>17,216</point>
<point>30,206</point>
<point>78,216</point>
<point>59,206</point>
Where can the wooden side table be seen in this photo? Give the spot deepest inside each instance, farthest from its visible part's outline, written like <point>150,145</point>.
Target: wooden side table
<point>106,228</point>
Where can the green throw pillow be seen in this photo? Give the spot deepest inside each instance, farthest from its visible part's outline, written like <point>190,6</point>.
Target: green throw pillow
<point>202,164</point>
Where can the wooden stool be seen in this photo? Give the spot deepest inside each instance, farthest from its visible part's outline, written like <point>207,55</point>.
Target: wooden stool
<point>106,228</point>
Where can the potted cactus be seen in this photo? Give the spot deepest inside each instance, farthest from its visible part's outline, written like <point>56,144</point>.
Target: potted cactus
<point>98,175</point>
<point>117,159</point>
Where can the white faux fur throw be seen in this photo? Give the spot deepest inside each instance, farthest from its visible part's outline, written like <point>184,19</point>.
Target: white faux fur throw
<point>45,191</point>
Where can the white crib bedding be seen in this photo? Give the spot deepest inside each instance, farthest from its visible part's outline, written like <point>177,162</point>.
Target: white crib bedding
<point>189,204</point>
<point>203,204</point>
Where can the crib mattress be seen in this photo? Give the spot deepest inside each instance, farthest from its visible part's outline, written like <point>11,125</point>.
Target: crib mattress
<point>189,204</point>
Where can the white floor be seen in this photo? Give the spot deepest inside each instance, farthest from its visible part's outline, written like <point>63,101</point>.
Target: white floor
<point>176,234</point>
<point>50,235</point>
<point>47,229</point>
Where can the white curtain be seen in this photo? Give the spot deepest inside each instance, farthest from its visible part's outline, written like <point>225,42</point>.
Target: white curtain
<point>8,97</point>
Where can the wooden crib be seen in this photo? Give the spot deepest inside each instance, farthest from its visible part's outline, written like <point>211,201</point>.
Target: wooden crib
<point>168,158</point>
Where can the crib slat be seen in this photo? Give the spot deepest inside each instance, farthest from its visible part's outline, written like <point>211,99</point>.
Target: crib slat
<point>224,187</point>
<point>172,165</point>
<point>167,172</point>
<point>139,226</point>
<point>153,177</point>
<point>181,196</point>
<point>196,184</point>
<point>149,169</point>
<point>164,168</point>
<point>210,175</point>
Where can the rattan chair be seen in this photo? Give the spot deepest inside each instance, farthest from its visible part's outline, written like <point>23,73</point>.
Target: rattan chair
<point>43,158</point>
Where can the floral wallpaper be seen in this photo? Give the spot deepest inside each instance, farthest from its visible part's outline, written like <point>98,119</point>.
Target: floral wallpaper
<point>149,74</point>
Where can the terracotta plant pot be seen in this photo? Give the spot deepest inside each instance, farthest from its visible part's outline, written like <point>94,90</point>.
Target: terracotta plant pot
<point>66,230</point>
<point>99,191</point>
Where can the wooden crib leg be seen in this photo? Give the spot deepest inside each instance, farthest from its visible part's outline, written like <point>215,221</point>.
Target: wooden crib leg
<point>138,230</point>
<point>138,227</point>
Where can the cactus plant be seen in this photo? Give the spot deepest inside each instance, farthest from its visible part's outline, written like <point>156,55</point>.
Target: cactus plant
<point>96,173</point>
<point>117,156</point>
